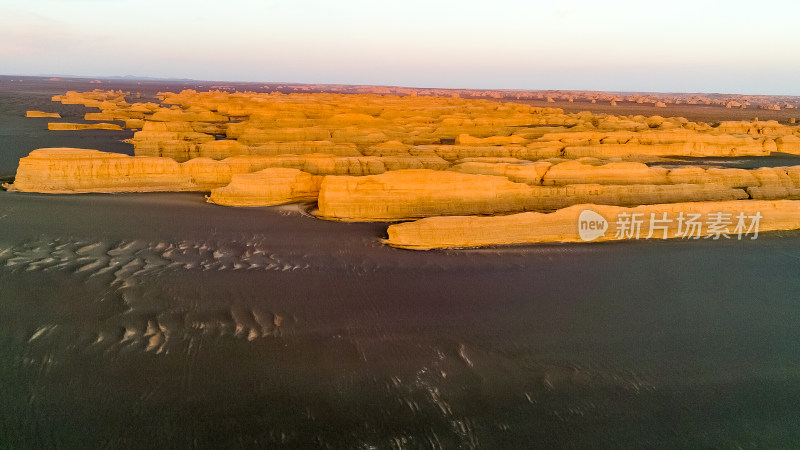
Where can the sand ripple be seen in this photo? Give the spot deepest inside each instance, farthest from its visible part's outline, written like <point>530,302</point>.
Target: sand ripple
<point>126,261</point>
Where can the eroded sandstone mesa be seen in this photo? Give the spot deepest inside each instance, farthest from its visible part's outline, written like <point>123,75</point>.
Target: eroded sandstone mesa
<point>42,114</point>
<point>733,219</point>
<point>370,157</point>
<point>64,126</point>
<point>576,172</point>
<point>411,194</point>
<point>190,124</point>
<point>267,187</point>
<point>71,170</point>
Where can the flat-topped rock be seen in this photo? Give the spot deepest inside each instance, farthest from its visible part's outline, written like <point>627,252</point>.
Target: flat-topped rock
<point>733,218</point>
<point>574,172</point>
<point>519,172</point>
<point>42,114</point>
<point>451,128</point>
<point>409,194</point>
<point>267,187</point>
<point>69,170</point>
<point>64,126</point>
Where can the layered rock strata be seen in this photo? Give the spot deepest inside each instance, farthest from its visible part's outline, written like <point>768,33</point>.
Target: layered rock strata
<point>712,220</point>
<point>42,114</point>
<point>451,128</point>
<point>410,194</point>
<point>267,187</point>
<point>65,126</point>
<point>70,170</point>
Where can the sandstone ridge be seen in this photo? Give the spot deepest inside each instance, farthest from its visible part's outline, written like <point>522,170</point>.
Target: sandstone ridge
<point>563,225</point>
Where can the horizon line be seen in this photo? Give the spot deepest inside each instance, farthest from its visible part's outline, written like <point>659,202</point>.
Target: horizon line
<point>194,80</point>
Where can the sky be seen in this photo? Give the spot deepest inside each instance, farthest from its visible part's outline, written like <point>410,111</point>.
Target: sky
<point>676,46</point>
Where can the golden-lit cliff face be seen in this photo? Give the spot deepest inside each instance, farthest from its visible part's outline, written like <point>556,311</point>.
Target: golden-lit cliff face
<point>369,157</point>
<point>42,114</point>
<point>65,126</point>
<point>410,194</point>
<point>268,187</point>
<point>71,170</point>
<point>563,225</point>
<point>218,124</point>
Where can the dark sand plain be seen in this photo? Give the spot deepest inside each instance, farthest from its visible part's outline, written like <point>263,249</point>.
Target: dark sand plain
<point>160,320</point>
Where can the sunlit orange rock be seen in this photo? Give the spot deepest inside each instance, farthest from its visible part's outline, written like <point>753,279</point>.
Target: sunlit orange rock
<point>549,198</point>
<point>377,135</point>
<point>64,126</point>
<point>64,170</point>
<point>533,151</point>
<point>466,139</point>
<point>697,175</point>
<point>267,187</point>
<point>172,115</point>
<point>563,225</point>
<point>774,192</point>
<point>134,124</point>
<point>574,172</point>
<point>256,136</point>
<point>388,148</point>
<point>96,98</point>
<point>42,114</point>
<point>409,194</point>
<point>304,148</point>
<point>175,140</point>
<point>699,149</point>
<point>123,113</point>
<point>68,170</point>
<point>221,149</point>
<point>788,144</point>
<point>524,172</point>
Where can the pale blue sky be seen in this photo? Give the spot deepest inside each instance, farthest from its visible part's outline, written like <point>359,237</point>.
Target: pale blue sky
<point>674,46</point>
